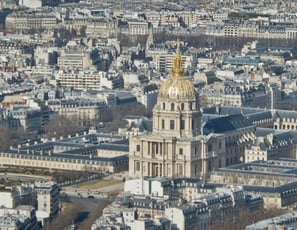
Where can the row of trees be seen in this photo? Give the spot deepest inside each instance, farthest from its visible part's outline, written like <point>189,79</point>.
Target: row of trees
<point>202,40</point>
<point>64,126</point>
<point>9,137</point>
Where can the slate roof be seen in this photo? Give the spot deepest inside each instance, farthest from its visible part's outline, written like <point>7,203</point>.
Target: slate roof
<point>284,114</point>
<point>225,124</point>
<point>283,189</point>
<point>115,159</point>
<point>259,116</point>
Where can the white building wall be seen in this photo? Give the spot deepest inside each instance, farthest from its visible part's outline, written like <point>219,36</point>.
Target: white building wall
<point>157,189</point>
<point>7,200</point>
<point>30,3</point>
<point>175,215</point>
<point>134,186</point>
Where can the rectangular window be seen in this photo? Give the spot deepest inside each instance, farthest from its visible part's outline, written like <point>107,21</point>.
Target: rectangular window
<point>209,148</point>
<point>138,148</point>
<point>180,170</point>
<point>137,166</point>
<point>155,148</point>
<point>209,165</point>
<point>220,145</point>
<point>182,124</point>
<point>163,124</point>
<point>181,151</point>
<point>172,124</point>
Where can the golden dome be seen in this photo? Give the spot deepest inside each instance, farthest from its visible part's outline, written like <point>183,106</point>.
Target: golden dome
<point>177,86</point>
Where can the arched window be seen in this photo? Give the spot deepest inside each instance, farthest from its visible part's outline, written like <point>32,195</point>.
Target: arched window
<point>172,106</point>
<point>182,106</point>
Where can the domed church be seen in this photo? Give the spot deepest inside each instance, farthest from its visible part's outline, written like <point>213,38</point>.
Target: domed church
<point>176,148</point>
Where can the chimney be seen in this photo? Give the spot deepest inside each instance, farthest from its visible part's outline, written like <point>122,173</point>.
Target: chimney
<point>270,138</point>
<point>218,108</point>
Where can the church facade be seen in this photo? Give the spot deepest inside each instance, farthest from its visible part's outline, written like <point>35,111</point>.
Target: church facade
<point>176,148</point>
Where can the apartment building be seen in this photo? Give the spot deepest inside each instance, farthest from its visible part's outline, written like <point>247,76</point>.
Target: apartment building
<point>81,110</point>
<point>270,145</point>
<point>230,94</point>
<point>100,28</point>
<point>22,217</point>
<point>75,59</point>
<point>285,221</point>
<point>82,80</point>
<point>25,21</point>
<point>257,28</point>
<point>189,217</point>
<point>138,27</point>
<point>270,179</point>
<point>164,60</point>
<point>47,197</point>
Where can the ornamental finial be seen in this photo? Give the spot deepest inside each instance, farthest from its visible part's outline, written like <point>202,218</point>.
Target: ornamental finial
<point>177,69</point>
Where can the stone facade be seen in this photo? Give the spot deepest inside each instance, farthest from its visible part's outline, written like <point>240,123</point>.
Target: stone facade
<point>176,148</point>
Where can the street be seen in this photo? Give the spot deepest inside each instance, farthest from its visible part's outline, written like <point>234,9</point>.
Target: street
<point>86,206</point>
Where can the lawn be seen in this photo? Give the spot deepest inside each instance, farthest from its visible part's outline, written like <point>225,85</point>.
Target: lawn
<point>96,184</point>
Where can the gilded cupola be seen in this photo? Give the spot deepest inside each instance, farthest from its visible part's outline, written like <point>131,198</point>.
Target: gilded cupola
<point>177,86</point>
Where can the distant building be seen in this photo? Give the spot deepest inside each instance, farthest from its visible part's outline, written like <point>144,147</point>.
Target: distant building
<point>26,21</point>
<point>81,111</point>
<point>39,3</point>
<point>14,196</point>
<point>230,94</point>
<point>147,95</point>
<point>47,197</point>
<point>278,189</point>
<point>272,145</point>
<point>138,27</point>
<point>75,59</point>
<point>83,80</point>
<point>22,217</point>
<point>79,153</point>
<point>285,221</point>
<point>111,80</point>
<point>9,199</point>
<point>189,217</point>
<point>16,116</point>
<point>100,28</point>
